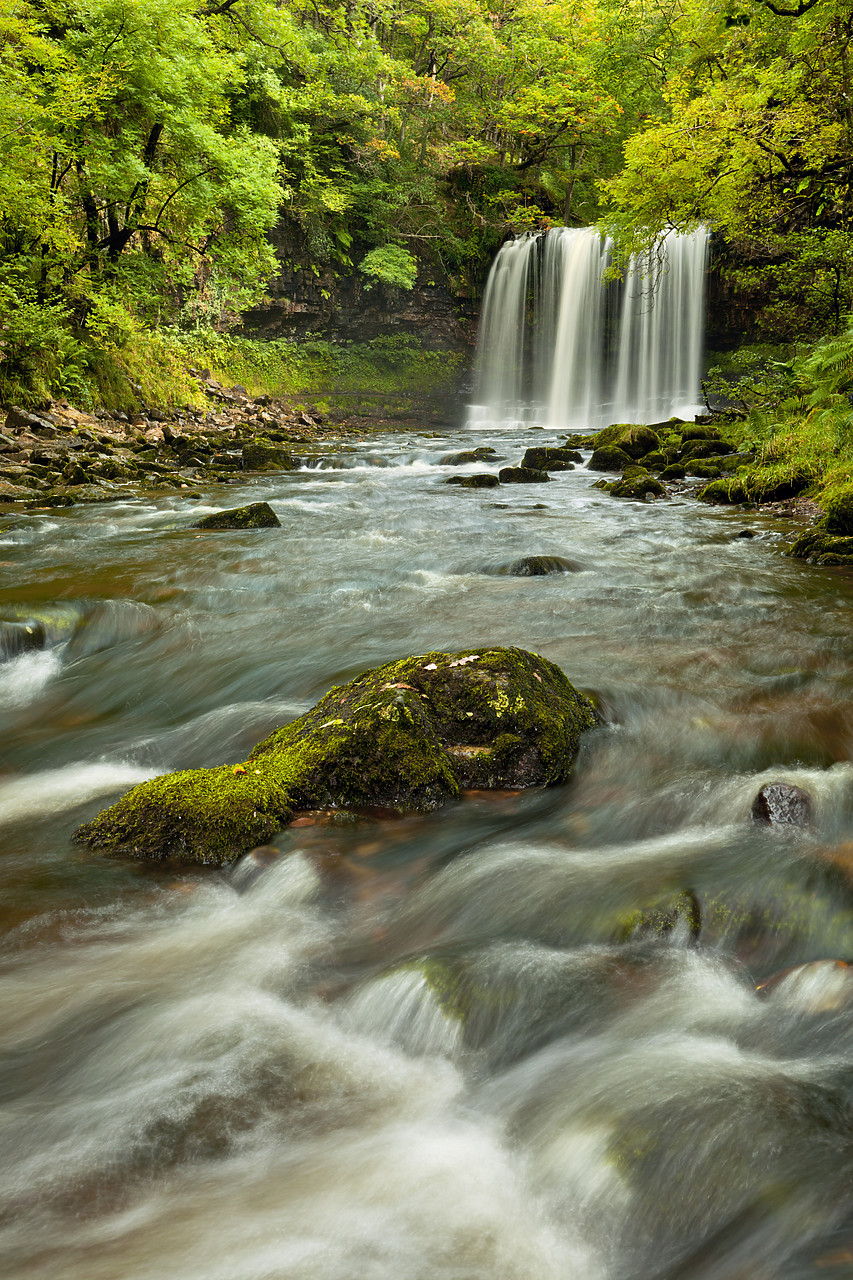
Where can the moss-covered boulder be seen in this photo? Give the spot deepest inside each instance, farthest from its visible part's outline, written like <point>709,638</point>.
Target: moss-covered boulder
<point>545,458</point>
<point>822,548</point>
<point>655,461</point>
<point>634,439</point>
<point>480,480</point>
<point>522,475</point>
<point>406,736</point>
<point>838,506</point>
<point>637,483</point>
<point>760,485</point>
<point>674,471</point>
<point>257,515</point>
<point>265,455</point>
<point>609,457</point>
<point>695,449</point>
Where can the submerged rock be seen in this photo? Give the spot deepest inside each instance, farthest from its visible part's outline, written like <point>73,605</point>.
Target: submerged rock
<point>406,736</point>
<point>538,566</point>
<point>17,637</point>
<point>522,475</point>
<point>782,804</point>
<point>679,914</point>
<point>258,515</point>
<point>818,986</point>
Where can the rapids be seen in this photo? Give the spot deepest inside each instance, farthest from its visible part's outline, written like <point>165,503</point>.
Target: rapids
<point>428,1048</point>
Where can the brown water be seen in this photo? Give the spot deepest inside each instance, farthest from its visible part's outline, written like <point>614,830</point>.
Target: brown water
<point>428,1049</point>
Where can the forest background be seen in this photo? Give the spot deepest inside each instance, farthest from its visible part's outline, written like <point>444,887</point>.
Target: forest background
<point>149,147</point>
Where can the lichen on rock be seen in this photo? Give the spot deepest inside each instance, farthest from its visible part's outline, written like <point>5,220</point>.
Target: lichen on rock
<point>406,736</point>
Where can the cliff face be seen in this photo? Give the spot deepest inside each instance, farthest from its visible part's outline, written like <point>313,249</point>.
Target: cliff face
<point>307,299</point>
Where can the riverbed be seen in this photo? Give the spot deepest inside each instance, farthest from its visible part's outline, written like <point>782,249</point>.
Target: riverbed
<point>432,1047</point>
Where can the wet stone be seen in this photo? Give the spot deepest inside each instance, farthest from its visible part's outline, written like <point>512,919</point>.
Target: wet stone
<point>539,566</point>
<point>522,475</point>
<point>480,480</point>
<point>551,459</point>
<point>258,515</point>
<point>782,804</point>
<point>483,454</point>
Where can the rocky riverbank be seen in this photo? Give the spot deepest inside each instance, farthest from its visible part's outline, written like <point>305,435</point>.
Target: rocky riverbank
<point>58,455</point>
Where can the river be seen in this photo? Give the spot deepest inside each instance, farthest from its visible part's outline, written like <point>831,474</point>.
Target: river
<point>258,1074</point>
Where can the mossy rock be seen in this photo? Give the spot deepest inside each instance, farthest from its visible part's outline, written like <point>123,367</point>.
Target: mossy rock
<point>818,547</point>
<point>635,440</point>
<point>551,459</point>
<point>407,736</point>
<point>723,492</point>
<point>609,457</point>
<point>655,461</point>
<point>480,480</point>
<point>637,483</point>
<point>674,471</point>
<point>258,515</point>
<point>706,470</point>
<point>522,475</point>
<point>658,920</point>
<point>482,454</point>
<point>838,507</point>
<point>265,455</point>
<point>693,450</point>
<point>699,431</point>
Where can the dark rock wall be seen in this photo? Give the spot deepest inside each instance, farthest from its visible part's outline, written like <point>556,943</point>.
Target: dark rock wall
<point>341,304</point>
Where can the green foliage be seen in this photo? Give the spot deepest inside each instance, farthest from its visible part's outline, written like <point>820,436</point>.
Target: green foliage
<point>390,264</point>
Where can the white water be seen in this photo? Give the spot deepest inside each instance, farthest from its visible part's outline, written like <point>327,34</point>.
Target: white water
<point>560,346</point>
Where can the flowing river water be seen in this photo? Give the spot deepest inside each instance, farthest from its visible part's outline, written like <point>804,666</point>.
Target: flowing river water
<point>429,1048</point>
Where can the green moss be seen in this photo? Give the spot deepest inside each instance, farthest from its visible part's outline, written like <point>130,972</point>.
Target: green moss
<point>609,458</point>
<point>550,459</point>
<point>822,548</point>
<point>634,439</point>
<point>636,483</point>
<point>265,455</point>
<point>406,736</point>
<point>758,484</point>
<point>838,505</point>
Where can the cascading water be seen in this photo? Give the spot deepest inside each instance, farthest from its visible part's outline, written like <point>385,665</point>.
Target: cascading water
<point>561,346</point>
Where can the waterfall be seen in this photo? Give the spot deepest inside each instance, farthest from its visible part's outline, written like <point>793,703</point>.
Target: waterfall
<point>561,347</point>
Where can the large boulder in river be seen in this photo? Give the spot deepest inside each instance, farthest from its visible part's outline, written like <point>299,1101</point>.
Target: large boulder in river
<point>257,515</point>
<point>522,475</point>
<point>632,438</point>
<point>479,480</point>
<point>548,458</point>
<point>407,736</point>
<point>609,458</point>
